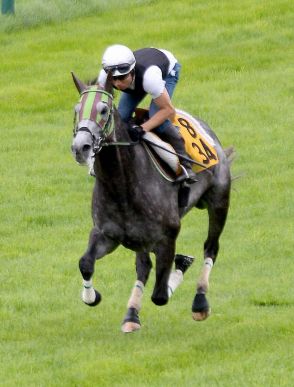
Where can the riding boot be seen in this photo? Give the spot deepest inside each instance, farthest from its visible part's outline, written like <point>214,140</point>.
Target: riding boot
<point>172,136</point>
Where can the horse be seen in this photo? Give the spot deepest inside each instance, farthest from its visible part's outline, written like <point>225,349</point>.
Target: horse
<point>134,206</point>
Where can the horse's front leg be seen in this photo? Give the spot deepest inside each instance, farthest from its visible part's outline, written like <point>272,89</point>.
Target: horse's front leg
<point>131,321</point>
<point>164,259</point>
<point>98,246</point>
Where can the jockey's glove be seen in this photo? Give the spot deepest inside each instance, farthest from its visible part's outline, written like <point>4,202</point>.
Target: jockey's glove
<point>136,132</point>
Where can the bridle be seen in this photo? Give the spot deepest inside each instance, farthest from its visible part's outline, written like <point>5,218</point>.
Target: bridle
<point>94,114</point>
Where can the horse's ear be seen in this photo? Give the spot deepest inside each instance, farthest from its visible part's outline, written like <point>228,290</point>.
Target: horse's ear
<point>108,85</point>
<point>79,84</point>
<point>92,82</point>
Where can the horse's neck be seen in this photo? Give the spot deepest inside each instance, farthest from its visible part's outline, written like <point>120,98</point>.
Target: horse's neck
<point>120,132</point>
<point>117,161</point>
<point>116,173</point>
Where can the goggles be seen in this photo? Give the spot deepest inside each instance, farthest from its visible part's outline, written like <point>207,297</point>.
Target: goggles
<point>120,77</point>
<point>123,69</point>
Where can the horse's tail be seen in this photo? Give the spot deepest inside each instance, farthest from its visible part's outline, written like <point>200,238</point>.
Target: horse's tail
<point>230,153</point>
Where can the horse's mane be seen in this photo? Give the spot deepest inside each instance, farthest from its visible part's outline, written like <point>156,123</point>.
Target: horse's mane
<point>108,85</point>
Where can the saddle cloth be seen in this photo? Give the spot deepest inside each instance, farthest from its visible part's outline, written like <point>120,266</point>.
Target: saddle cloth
<point>199,145</point>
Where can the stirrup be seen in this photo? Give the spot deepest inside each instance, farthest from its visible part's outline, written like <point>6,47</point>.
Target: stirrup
<point>190,179</point>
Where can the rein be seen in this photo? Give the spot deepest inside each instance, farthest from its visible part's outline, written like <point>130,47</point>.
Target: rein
<point>106,125</point>
<point>132,143</point>
<point>120,143</point>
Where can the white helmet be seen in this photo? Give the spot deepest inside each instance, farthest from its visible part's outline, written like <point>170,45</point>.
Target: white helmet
<point>118,59</point>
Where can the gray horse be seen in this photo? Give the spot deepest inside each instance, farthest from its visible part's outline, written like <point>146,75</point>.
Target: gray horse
<point>134,206</point>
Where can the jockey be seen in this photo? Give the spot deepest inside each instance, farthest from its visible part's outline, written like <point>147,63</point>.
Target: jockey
<point>147,71</point>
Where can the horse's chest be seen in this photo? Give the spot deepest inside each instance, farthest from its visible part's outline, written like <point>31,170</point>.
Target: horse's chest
<point>140,235</point>
<point>136,232</point>
<point>139,229</point>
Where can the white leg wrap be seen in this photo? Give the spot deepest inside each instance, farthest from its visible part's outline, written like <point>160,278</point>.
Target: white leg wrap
<point>135,300</point>
<point>175,279</point>
<point>203,282</point>
<point>88,295</point>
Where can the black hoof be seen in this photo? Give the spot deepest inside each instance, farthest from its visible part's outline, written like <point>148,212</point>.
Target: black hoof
<point>200,304</point>
<point>97,299</point>
<point>132,316</point>
<point>183,262</point>
<point>159,300</point>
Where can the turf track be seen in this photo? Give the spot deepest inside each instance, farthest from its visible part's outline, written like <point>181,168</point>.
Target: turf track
<point>237,75</point>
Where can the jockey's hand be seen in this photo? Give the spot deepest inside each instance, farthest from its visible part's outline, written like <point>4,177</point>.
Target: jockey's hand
<point>136,132</point>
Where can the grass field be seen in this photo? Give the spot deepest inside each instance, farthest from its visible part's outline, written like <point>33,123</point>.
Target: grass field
<point>237,75</point>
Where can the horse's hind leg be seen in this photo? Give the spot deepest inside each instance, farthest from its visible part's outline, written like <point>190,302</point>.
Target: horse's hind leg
<point>217,219</point>
<point>182,264</point>
<point>98,246</point>
<point>131,321</point>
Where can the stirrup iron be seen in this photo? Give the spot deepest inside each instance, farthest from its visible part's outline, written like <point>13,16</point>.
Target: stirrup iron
<point>185,177</point>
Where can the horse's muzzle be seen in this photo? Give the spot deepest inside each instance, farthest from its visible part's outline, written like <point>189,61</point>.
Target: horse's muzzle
<point>82,147</point>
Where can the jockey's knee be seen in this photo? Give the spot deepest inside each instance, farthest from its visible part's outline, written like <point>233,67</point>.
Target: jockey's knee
<point>164,128</point>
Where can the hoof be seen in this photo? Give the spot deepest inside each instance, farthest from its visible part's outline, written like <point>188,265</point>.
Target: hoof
<point>183,262</point>
<point>200,308</point>
<point>130,327</point>
<point>131,322</point>
<point>200,316</point>
<point>96,301</point>
<point>159,300</point>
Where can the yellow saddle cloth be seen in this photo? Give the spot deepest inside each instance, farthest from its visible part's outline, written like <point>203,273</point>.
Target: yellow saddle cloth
<point>198,143</point>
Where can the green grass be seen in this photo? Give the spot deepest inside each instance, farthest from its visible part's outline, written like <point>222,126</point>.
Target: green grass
<point>32,13</point>
<point>237,75</point>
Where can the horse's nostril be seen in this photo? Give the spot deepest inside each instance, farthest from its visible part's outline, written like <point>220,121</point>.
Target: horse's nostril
<point>86,148</point>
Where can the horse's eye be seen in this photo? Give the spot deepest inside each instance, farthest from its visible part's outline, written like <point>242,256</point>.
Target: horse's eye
<point>102,107</point>
<point>78,108</point>
<point>104,110</point>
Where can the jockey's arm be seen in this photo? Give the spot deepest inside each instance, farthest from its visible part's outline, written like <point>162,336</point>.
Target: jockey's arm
<point>166,111</point>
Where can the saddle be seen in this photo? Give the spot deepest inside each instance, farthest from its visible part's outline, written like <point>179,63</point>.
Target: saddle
<point>163,156</point>
<point>200,146</point>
